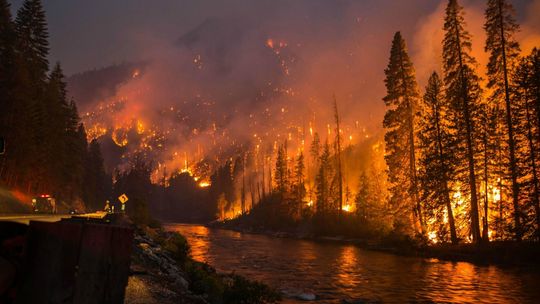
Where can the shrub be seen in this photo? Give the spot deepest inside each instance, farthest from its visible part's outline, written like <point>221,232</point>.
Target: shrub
<point>204,280</point>
<point>243,291</point>
<point>177,245</point>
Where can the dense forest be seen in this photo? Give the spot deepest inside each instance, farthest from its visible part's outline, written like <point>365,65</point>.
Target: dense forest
<point>456,160</point>
<point>461,155</point>
<point>46,144</point>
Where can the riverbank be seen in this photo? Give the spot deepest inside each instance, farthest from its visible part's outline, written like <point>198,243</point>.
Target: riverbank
<point>500,253</point>
<point>162,272</point>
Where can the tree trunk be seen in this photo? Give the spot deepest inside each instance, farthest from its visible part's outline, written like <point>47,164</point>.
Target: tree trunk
<point>417,208</point>
<point>453,234</point>
<point>532,156</point>
<point>475,225</point>
<point>511,142</point>
<point>340,176</point>
<point>485,223</point>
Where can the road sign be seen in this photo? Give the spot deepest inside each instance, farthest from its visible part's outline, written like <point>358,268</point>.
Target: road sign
<point>123,198</point>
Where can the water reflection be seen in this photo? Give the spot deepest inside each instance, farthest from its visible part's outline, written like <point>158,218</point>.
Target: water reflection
<point>337,272</point>
<point>347,270</point>
<point>199,243</point>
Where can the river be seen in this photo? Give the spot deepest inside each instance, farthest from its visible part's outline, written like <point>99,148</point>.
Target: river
<point>336,272</point>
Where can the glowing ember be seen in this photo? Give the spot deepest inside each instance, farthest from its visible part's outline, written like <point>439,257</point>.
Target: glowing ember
<point>496,194</point>
<point>347,208</point>
<point>432,236</point>
<point>457,197</point>
<point>204,184</point>
<point>140,128</point>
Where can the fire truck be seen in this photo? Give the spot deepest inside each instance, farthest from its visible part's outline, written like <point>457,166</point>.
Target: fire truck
<point>44,204</point>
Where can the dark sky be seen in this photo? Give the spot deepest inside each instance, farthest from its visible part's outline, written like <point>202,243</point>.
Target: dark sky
<point>92,34</point>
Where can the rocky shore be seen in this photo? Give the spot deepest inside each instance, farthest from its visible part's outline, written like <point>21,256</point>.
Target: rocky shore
<point>156,277</point>
<point>162,272</point>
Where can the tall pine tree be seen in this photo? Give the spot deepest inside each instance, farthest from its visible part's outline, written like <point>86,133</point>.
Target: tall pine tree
<point>504,50</point>
<point>322,181</point>
<point>7,76</point>
<point>7,63</point>
<point>527,107</point>
<point>402,100</point>
<point>339,174</point>
<point>33,49</point>
<point>280,171</point>
<point>436,157</point>
<point>463,93</point>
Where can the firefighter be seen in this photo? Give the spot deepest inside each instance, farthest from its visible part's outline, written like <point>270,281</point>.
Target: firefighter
<point>107,206</point>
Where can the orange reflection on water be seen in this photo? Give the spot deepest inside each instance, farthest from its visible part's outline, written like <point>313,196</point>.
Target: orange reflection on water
<point>348,266</point>
<point>198,244</point>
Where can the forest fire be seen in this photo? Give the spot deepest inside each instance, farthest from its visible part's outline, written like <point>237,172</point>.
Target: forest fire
<point>360,131</point>
<point>207,131</point>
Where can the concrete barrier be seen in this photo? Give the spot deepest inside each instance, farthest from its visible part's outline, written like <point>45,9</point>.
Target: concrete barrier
<point>75,262</point>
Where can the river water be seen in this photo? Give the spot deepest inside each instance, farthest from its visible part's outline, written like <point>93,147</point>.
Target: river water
<point>337,273</point>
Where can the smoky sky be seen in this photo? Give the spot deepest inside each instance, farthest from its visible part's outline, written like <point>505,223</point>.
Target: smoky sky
<point>308,50</point>
<point>340,46</point>
<point>93,34</point>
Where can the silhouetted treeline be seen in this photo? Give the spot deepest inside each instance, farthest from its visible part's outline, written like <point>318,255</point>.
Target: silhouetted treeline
<point>177,197</point>
<point>46,146</point>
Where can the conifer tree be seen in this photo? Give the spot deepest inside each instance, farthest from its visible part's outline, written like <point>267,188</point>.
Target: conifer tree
<point>339,174</point>
<point>280,172</point>
<point>94,180</point>
<point>322,181</point>
<point>7,62</point>
<point>47,147</point>
<point>32,50</point>
<point>504,50</point>
<point>399,121</point>
<point>362,199</point>
<point>300,189</point>
<point>299,183</point>
<point>463,93</point>
<point>315,148</point>
<point>7,69</point>
<point>436,157</point>
<point>527,107</point>
<point>55,129</point>
<point>33,43</point>
<point>314,152</point>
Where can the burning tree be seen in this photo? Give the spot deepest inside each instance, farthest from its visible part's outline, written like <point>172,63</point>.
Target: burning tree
<point>504,50</point>
<point>402,102</point>
<point>463,93</point>
<point>527,109</point>
<point>436,161</point>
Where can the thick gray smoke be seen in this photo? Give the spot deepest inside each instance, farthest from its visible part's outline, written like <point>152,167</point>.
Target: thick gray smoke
<point>261,72</point>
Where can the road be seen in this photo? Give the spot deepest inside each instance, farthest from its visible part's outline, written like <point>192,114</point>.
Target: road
<point>26,218</point>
